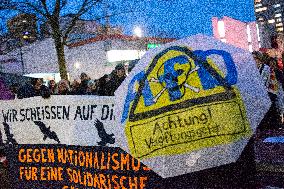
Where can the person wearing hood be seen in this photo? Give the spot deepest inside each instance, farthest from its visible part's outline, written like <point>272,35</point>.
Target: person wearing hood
<point>82,90</point>
<point>116,78</point>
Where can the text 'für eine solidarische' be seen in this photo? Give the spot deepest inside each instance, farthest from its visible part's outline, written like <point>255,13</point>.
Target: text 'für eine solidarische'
<point>85,168</point>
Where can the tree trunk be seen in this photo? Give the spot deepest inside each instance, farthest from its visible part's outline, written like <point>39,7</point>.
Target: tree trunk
<point>59,46</point>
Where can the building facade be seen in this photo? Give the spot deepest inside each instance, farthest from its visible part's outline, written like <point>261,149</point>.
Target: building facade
<point>240,34</point>
<point>83,29</point>
<point>23,27</point>
<point>95,56</point>
<point>270,19</point>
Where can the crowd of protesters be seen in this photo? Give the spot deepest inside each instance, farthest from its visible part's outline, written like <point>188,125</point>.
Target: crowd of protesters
<point>270,64</point>
<point>104,86</point>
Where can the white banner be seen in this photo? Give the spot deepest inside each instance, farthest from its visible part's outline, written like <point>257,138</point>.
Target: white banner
<point>72,120</point>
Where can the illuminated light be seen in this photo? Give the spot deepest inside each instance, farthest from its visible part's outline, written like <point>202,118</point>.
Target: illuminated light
<point>278,19</point>
<point>261,9</point>
<point>120,55</point>
<point>279,24</point>
<point>248,33</point>
<point>77,65</point>
<point>138,31</point>
<point>25,37</point>
<point>46,76</point>
<point>221,29</point>
<point>278,15</point>
<point>279,29</point>
<point>224,40</point>
<point>24,21</point>
<point>152,45</point>
<point>271,21</point>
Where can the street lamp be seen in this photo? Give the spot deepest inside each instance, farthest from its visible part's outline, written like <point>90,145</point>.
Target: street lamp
<point>77,65</point>
<point>138,31</point>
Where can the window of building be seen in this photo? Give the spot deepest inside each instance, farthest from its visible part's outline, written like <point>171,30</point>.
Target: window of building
<point>279,24</point>
<point>271,21</point>
<point>248,33</point>
<point>278,15</point>
<point>257,31</point>
<point>258,5</point>
<point>120,55</point>
<point>221,29</point>
<point>260,18</point>
<point>276,5</point>
<point>279,29</point>
<point>250,48</point>
<point>261,9</point>
<point>278,19</point>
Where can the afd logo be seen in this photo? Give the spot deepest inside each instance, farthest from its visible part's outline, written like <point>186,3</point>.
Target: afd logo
<point>173,73</point>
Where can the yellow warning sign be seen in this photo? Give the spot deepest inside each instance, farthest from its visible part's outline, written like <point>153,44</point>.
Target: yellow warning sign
<point>184,102</point>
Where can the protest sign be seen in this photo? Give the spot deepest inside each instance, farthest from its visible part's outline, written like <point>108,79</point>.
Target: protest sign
<point>190,105</point>
<point>72,120</point>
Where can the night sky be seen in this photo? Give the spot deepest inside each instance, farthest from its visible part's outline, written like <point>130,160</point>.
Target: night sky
<point>172,18</point>
<point>183,18</point>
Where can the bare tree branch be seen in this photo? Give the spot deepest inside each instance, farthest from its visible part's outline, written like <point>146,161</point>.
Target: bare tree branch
<point>23,6</point>
<point>63,4</point>
<point>43,2</point>
<point>56,11</point>
<point>86,6</point>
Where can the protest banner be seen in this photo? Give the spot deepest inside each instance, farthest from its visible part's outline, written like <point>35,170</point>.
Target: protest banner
<point>71,120</point>
<point>190,105</point>
<point>72,167</point>
<point>67,142</point>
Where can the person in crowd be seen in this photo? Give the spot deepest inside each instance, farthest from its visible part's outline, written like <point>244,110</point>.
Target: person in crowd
<point>101,85</point>
<point>271,70</point>
<point>75,87</point>
<point>276,53</point>
<point>83,84</point>
<point>52,86</point>
<point>34,88</point>
<point>14,89</point>
<point>126,68</point>
<point>5,93</point>
<point>63,87</point>
<point>116,78</point>
<point>92,87</point>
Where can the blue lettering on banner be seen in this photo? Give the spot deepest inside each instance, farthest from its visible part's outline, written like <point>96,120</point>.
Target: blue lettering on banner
<point>207,80</point>
<point>146,93</point>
